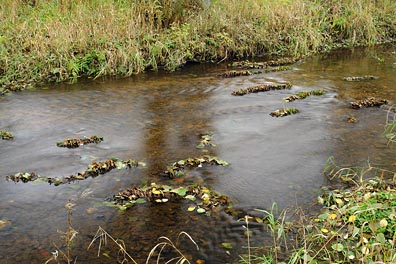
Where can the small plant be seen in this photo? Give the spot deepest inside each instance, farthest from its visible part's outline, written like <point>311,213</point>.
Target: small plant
<point>390,126</point>
<point>68,237</point>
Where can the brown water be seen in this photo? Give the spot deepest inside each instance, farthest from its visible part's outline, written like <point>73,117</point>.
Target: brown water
<point>157,118</point>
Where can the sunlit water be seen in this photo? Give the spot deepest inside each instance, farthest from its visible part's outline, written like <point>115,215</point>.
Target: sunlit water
<point>157,118</point>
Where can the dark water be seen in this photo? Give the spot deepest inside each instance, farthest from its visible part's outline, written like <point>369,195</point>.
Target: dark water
<point>157,118</point>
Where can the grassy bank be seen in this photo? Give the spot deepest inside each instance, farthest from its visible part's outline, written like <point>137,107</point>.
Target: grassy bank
<point>51,40</point>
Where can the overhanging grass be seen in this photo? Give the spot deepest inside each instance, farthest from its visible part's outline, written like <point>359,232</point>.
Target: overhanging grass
<point>50,41</point>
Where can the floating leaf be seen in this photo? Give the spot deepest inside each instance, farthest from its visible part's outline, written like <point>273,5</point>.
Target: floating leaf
<point>191,208</point>
<point>140,201</point>
<point>120,165</point>
<point>181,191</point>
<point>226,245</point>
<point>201,210</point>
<point>190,197</point>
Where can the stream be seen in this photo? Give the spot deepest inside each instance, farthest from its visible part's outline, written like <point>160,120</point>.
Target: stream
<point>157,118</point>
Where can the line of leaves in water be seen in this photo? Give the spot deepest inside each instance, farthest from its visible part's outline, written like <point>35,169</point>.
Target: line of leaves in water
<point>178,167</point>
<point>303,95</point>
<point>203,199</point>
<point>359,78</point>
<point>76,142</point>
<point>246,64</point>
<point>368,102</point>
<point>5,135</point>
<point>94,169</point>
<point>284,112</point>
<point>262,88</point>
<point>231,74</point>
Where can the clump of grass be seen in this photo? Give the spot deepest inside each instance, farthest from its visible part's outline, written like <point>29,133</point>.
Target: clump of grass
<point>357,224</point>
<point>64,40</point>
<point>123,256</point>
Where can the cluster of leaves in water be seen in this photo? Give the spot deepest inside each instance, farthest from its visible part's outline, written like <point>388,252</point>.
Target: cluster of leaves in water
<point>303,95</point>
<point>94,169</point>
<point>359,78</point>
<point>23,177</point>
<point>284,112</point>
<point>246,64</point>
<point>262,88</point>
<point>178,167</point>
<point>368,102</point>
<point>206,141</point>
<point>76,142</point>
<point>4,134</point>
<point>203,199</point>
<point>231,74</point>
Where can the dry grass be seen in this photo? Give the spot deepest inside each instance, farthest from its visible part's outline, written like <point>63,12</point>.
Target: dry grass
<point>62,40</point>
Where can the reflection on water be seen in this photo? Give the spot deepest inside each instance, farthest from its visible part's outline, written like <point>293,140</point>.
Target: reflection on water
<point>157,118</point>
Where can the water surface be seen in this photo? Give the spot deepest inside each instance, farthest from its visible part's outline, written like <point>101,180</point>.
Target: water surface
<point>157,118</point>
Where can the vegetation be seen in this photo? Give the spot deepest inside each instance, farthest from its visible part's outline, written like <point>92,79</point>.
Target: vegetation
<point>76,142</point>
<point>5,135</point>
<point>49,40</point>
<point>303,95</point>
<point>284,112</point>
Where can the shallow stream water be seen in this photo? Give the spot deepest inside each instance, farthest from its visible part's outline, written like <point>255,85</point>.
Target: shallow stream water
<point>157,118</point>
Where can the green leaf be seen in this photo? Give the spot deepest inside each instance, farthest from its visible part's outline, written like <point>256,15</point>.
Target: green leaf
<point>226,245</point>
<point>338,247</point>
<point>140,201</point>
<point>120,165</point>
<point>201,210</point>
<point>381,238</point>
<point>121,207</point>
<point>181,191</point>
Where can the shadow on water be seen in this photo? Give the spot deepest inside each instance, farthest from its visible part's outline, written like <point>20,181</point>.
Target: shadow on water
<point>157,118</point>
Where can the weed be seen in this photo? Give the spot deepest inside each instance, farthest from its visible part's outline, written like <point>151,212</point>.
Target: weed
<point>68,237</point>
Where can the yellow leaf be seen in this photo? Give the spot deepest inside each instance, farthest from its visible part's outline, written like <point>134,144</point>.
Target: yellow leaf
<point>317,220</point>
<point>352,218</point>
<point>324,230</point>
<point>191,208</point>
<point>154,191</point>
<point>332,216</point>
<point>339,201</point>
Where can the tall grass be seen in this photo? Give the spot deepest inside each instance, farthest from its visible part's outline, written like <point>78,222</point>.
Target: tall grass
<point>51,40</point>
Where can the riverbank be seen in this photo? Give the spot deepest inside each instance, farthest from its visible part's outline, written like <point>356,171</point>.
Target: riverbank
<point>43,41</point>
